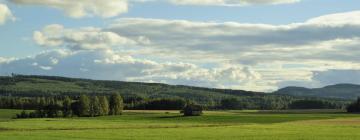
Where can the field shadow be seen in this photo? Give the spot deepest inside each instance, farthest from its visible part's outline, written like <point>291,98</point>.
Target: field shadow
<point>301,111</point>
<point>171,117</point>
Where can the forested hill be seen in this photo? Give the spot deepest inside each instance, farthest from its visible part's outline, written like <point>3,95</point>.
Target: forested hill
<point>342,91</point>
<point>133,92</point>
<point>32,85</point>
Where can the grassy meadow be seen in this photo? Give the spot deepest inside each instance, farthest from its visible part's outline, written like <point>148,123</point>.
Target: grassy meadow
<point>153,125</point>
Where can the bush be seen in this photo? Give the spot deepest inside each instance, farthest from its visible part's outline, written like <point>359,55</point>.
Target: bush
<point>23,114</point>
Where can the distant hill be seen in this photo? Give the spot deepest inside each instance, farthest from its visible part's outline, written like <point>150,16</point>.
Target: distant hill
<point>33,85</point>
<point>138,93</point>
<point>341,91</point>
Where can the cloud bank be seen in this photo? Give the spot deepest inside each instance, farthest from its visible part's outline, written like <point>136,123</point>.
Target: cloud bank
<point>258,57</point>
<point>120,66</point>
<point>87,38</point>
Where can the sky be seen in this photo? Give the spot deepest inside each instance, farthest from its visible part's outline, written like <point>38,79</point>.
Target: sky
<point>258,45</point>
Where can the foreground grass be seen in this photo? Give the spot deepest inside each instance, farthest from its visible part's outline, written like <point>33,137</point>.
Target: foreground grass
<point>148,125</point>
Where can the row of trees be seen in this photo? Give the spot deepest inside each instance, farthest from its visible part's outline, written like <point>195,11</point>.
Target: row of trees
<point>98,105</point>
<point>142,95</point>
<point>311,104</point>
<point>234,103</point>
<point>84,106</point>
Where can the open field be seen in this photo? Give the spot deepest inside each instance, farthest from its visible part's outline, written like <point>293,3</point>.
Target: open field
<point>152,125</point>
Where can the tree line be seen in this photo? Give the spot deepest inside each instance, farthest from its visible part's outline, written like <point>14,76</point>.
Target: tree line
<point>84,106</point>
<point>148,96</point>
<point>90,106</point>
<point>354,107</point>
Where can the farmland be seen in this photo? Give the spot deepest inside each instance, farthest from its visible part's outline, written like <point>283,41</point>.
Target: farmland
<point>252,125</point>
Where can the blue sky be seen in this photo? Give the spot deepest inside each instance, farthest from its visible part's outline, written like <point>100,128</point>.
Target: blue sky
<point>34,17</point>
<point>154,49</point>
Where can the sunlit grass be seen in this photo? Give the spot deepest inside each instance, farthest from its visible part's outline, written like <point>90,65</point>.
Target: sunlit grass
<point>148,125</point>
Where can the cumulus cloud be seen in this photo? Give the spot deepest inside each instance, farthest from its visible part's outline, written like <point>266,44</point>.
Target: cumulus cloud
<point>112,65</point>
<point>79,39</point>
<point>5,14</point>
<point>248,43</point>
<point>293,51</point>
<point>3,60</point>
<point>82,8</point>
<point>228,55</point>
<point>233,2</point>
<point>338,19</point>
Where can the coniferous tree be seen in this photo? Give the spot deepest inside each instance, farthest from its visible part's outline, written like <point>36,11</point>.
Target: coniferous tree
<point>116,104</point>
<point>75,108</point>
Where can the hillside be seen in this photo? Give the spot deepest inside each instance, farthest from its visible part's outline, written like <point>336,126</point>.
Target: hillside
<point>134,92</point>
<point>341,91</point>
<point>32,86</point>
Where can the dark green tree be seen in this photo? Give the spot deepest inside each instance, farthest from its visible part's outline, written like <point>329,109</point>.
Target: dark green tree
<point>75,108</point>
<point>310,104</point>
<point>230,103</point>
<point>116,104</point>
<point>354,107</point>
<point>67,111</point>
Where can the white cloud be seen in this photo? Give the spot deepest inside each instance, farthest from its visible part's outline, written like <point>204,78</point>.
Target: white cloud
<point>257,57</point>
<point>232,2</point>
<point>293,51</point>
<point>119,66</point>
<point>3,60</point>
<point>338,19</point>
<point>309,40</point>
<point>82,8</point>
<point>5,14</point>
<point>79,39</point>
<point>248,43</point>
<point>6,60</point>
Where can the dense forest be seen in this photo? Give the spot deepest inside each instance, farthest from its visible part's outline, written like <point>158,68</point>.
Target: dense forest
<point>49,107</point>
<point>23,91</point>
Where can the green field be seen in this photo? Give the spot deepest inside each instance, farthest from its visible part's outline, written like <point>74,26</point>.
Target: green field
<point>148,125</point>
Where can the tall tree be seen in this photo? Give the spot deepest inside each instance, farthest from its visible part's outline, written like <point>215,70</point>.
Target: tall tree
<point>84,106</point>
<point>116,104</point>
<point>67,111</point>
<point>53,108</point>
<point>95,107</point>
<point>104,105</point>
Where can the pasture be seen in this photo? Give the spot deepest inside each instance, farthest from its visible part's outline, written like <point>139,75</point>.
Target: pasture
<point>213,125</point>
